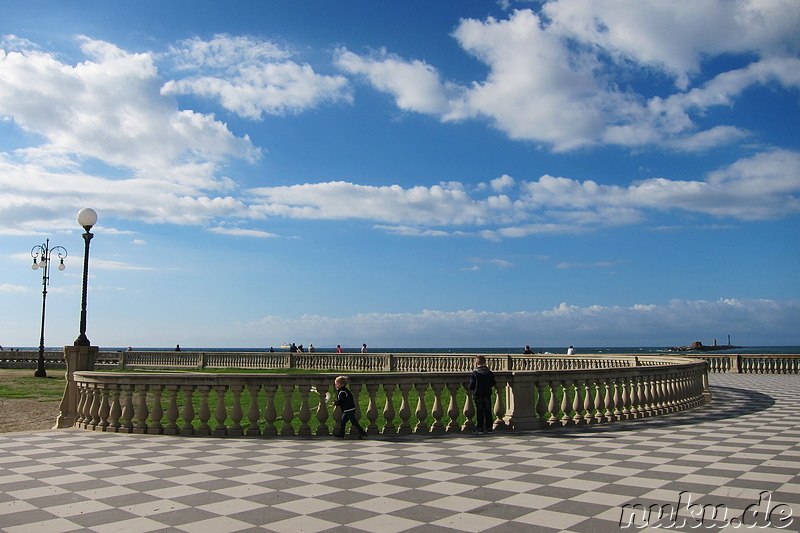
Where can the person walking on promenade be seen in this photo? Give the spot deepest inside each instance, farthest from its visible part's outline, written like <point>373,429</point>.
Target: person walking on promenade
<point>481,381</point>
<point>364,348</point>
<point>345,401</point>
<point>338,348</point>
<point>527,350</point>
<point>570,351</point>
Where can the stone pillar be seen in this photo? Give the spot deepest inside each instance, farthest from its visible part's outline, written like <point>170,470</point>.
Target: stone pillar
<point>77,358</point>
<point>521,403</point>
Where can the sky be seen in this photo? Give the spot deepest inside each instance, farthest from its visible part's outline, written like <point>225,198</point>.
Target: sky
<point>403,174</point>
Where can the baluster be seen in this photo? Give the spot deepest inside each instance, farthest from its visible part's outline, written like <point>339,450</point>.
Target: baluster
<point>566,405</point>
<point>254,413</point>
<point>609,400</point>
<point>626,398</point>
<point>188,410</point>
<point>588,401</point>
<point>635,401</point>
<point>500,405</point>
<point>116,410</point>
<point>157,412</point>
<point>236,411</point>
<point>553,407</point>
<point>104,408</point>
<point>405,410</point>
<point>599,401</point>
<point>221,412</point>
<point>127,409</point>
<point>422,409</point>
<point>322,410</point>
<point>80,409</point>
<point>648,396</point>
<point>288,411</point>
<point>452,408</point>
<point>270,414</point>
<point>617,399</point>
<point>205,411</point>
<point>172,411</point>
<point>469,412</point>
<point>95,409</point>
<point>372,408</point>
<point>658,396</point>
<point>304,414</point>
<point>541,402</point>
<point>577,402</point>
<point>141,411</point>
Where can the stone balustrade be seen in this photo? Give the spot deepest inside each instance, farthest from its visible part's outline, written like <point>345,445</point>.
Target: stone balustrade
<point>393,403</point>
<point>379,362</point>
<point>751,364</point>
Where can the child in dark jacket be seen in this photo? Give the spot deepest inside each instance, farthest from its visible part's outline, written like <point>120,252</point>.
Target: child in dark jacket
<point>346,402</point>
<point>481,381</point>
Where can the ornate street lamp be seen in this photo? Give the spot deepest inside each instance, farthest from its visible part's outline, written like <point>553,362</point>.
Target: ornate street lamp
<point>41,254</point>
<point>86,218</point>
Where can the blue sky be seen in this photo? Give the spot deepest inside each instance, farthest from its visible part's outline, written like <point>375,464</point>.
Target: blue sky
<point>407,174</point>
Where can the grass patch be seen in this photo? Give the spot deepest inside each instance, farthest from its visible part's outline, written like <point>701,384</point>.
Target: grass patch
<point>23,384</point>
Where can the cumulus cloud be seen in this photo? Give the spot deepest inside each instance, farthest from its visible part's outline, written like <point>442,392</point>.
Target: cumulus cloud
<point>553,75</point>
<point>107,112</point>
<point>677,322</point>
<point>251,77</point>
<point>764,186</point>
<point>415,85</point>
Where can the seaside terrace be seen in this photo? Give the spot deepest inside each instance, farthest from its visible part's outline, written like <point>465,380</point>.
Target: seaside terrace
<point>582,443</point>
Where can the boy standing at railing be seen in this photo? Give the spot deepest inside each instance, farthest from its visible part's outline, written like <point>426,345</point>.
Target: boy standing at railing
<point>481,381</point>
<point>346,402</point>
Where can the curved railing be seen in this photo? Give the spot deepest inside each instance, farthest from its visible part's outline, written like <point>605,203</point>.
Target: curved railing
<point>389,403</point>
<point>380,362</point>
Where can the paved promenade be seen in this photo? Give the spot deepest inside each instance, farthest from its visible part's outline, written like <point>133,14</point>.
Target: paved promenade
<point>575,480</point>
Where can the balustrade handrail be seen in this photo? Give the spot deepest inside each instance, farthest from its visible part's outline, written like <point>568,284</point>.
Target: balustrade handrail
<point>264,405</point>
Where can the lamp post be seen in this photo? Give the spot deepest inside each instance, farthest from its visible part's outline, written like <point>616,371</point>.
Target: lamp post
<point>41,254</point>
<point>86,218</point>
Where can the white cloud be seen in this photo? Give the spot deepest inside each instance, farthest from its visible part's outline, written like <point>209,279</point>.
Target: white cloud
<point>243,232</point>
<point>676,36</point>
<point>251,77</point>
<point>553,77</point>
<point>762,187</point>
<point>107,111</point>
<point>415,85</point>
<point>7,287</point>
<point>678,322</point>
<point>109,108</point>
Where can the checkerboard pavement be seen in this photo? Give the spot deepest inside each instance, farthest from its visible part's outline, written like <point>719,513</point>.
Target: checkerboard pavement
<point>569,479</point>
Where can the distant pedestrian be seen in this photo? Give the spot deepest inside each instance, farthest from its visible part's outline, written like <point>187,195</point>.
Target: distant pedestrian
<point>364,348</point>
<point>345,401</point>
<point>338,348</point>
<point>177,347</point>
<point>570,351</point>
<point>271,349</point>
<point>310,348</point>
<point>527,350</point>
<point>481,381</point>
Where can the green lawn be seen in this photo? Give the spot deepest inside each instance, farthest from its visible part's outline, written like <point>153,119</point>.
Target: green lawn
<point>21,383</point>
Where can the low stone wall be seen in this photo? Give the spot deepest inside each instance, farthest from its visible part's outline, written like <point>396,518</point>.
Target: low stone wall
<point>397,403</point>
